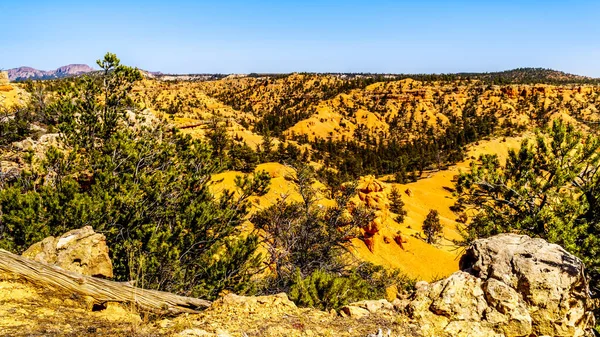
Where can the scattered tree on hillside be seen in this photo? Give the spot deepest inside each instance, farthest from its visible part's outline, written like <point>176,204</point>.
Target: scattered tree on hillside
<point>432,227</point>
<point>266,147</point>
<point>397,205</point>
<point>400,176</point>
<point>218,139</point>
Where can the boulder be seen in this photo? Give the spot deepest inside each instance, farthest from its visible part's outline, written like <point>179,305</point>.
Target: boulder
<point>368,307</point>
<point>509,285</point>
<point>373,306</point>
<point>549,279</point>
<point>81,250</point>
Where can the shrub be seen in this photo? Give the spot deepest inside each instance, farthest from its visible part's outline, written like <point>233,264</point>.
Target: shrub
<point>326,290</point>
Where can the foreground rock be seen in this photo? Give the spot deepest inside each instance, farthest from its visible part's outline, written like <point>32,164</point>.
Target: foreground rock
<point>81,250</point>
<point>510,285</point>
<point>277,316</point>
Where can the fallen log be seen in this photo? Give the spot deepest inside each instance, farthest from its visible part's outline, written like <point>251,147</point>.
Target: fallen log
<point>100,290</point>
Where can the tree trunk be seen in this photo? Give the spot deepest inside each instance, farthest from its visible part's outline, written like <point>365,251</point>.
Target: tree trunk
<point>100,290</point>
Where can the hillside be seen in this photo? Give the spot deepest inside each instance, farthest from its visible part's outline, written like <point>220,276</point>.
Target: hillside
<point>10,95</point>
<point>358,118</point>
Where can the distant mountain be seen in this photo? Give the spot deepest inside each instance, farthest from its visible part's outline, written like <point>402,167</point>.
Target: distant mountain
<point>25,73</point>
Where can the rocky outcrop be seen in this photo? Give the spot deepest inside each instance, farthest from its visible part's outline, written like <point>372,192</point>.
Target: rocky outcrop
<point>81,250</point>
<point>13,165</point>
<point>509,285</point>
<point>371,193</point>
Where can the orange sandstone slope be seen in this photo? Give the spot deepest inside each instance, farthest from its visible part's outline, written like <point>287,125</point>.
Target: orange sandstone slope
<point>370,110</point>
<point>416,258</point>
<point>328,107</point>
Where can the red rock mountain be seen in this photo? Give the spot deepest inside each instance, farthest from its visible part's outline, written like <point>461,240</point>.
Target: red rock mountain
<point>23,73</point>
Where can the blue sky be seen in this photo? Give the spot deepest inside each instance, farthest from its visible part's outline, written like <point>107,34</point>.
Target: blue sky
<point>177,36</point>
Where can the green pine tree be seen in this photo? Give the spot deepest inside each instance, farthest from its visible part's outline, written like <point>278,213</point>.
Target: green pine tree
<point>432,227</point>
<point>397,205</point>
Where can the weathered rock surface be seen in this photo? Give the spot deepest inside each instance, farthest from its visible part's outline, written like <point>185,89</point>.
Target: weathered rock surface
<point>365,308</point>
<point>371,193</point>
<point>277,316</point>
<point>81,250</point>
<point>510,285</point>
<point>200,333</point>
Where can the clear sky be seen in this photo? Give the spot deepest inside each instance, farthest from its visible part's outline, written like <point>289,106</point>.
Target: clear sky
<point>185,36</point>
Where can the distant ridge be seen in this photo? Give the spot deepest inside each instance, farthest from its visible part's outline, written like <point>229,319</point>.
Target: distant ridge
<point>26,73</point>
<point>528,75</point>
<point>513,76</point>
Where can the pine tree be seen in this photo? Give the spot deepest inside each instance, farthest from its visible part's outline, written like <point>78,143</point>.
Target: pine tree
<point>400,176</point>
<point>397,205</point>
<point>219,140</point>
<point>266,147</point>
<point>432,227</point>
<point>306,236</point>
